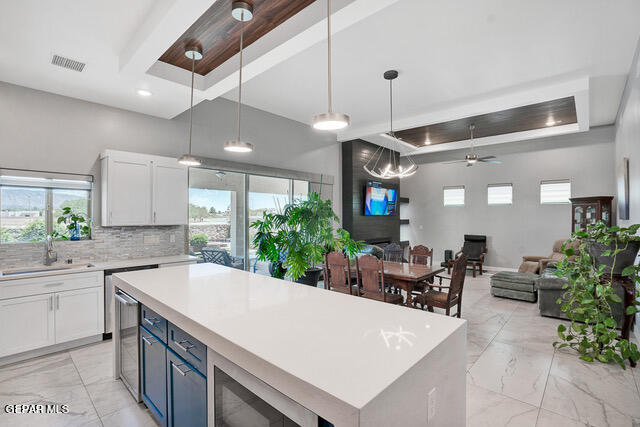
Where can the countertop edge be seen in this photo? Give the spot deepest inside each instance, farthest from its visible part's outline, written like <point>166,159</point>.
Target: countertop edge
<point>106,265</point>
<point>270,374</point>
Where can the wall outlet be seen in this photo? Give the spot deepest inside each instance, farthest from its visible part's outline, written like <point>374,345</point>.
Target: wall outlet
<point>172,238</point>
<point>431,405</point>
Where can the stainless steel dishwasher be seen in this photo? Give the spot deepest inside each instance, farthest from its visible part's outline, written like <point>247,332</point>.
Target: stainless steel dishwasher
<point>109,312</point>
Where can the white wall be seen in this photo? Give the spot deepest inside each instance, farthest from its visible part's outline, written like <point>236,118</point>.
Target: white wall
<point>628,137</point>
<point>43,131</point>
<point>524,228</point>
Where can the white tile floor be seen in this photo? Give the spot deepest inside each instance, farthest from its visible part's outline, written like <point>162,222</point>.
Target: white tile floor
<point>515,378</point>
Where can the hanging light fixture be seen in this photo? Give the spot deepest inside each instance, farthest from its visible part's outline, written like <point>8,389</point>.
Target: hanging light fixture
<point>330,120</point>
<point>242,12</point>
<point>194,53</point>
<point>391,167</point>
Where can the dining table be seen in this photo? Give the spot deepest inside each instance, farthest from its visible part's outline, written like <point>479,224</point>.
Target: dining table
<point>406,275</point>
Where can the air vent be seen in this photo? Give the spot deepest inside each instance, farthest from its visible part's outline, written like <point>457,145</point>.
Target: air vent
<point>70,64</point>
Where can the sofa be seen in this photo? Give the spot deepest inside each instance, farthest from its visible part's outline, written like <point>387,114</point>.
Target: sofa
<point>549,287</point>
<point>537,264</point>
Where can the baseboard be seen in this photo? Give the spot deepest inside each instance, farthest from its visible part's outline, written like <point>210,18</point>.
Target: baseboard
<point>14,358</point>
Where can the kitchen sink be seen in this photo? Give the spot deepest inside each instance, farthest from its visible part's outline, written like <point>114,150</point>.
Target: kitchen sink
<point>43,269</point>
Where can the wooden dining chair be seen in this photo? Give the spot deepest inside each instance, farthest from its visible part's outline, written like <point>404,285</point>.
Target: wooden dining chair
<point>422,255</point>
<point>371,277</point>
<point>445,300</point>
<point>393,252</point>
<point>337,274</point>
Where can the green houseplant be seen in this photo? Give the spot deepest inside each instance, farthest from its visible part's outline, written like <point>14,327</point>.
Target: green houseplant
<point>295,240</point>
<point>590,268</point>
<point>199,241</point>
<point>77,225</point>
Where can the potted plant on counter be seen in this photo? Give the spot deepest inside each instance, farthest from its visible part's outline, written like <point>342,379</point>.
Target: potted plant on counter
<point>295,240</point>
<point>594,268</point>
<point>78,225</point>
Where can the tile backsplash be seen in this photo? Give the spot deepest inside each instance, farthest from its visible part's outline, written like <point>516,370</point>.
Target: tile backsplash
<point>107,243</point>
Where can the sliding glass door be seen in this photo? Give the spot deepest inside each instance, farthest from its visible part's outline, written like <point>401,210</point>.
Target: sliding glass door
<point>222,207</point>
<point>217,216</point>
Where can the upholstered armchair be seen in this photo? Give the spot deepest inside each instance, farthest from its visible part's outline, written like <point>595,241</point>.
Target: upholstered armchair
<point>537,264</point>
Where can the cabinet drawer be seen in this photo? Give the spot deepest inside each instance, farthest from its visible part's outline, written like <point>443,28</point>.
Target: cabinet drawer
<point>153,378</point>
<point>186,394</point>
<point>49,284</point>
<point>155,323</point>
<point>187,347</point>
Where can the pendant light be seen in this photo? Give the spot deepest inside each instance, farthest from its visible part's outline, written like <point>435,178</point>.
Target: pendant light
<point>242,12</point>
<point>194,53</point>
<point>389,167</point>
<point>330,120</point>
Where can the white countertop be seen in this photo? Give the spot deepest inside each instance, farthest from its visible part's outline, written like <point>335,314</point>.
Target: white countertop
<point>96,266</point>
<point>349,347</point>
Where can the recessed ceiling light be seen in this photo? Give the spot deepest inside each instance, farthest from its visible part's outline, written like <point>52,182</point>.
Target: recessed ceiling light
<point>144,92</point>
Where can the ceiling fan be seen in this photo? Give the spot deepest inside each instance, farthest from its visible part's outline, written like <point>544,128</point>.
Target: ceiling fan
<point>472,158</point>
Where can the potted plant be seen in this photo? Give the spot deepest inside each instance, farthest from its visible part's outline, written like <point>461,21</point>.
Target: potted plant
<point>590,268</point>
<point>78,225</point>
<point>295,240</point>
<point>198,241</point>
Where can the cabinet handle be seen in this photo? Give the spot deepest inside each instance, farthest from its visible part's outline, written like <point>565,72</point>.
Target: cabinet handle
<point>152,321</point>
<point>48,285</point>
<point>186,349</point>
<point>110,217</point>
<point>183,373</point>
<point>146,340</point>
<point>57,302</point>
<point>154,217</point>
<point>50,303</point>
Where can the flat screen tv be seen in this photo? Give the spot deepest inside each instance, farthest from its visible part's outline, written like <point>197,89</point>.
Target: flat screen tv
<point>379,200</point>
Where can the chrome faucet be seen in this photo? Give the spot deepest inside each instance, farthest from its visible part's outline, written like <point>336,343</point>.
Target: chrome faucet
<point>50,256</point>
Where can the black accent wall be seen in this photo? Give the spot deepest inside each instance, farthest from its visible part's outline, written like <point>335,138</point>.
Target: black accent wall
<point>355,155</point>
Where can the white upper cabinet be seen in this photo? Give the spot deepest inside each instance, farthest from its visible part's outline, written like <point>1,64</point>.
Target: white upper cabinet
<point>140,189</point>
<point>170,193</point>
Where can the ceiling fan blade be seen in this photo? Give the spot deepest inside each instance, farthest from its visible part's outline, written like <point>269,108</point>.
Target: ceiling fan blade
<point>455,161</point>
<point>469,164</point>
<point>495,162</point>
<point>486,158</point>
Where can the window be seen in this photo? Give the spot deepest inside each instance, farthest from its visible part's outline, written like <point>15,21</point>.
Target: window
<point>454,196</point>
<point>500,194</point>
<point>555,192</point>
<point>31,205</point>
<point>216,214</point>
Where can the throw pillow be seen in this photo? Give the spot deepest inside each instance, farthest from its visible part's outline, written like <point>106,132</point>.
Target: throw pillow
<point>528,267</point>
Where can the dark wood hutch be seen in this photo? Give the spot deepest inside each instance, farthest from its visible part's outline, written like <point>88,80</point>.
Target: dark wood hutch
<point>589,210</point>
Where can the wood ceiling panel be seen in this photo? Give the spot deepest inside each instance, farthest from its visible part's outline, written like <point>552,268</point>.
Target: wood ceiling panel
<point>219,33</point>
<point>520,119</point>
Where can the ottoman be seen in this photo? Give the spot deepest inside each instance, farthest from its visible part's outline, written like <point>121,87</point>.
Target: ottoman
<point>514,285</point>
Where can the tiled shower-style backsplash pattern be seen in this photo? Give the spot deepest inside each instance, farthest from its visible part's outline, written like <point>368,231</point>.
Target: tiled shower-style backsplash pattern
<point>108,243</point>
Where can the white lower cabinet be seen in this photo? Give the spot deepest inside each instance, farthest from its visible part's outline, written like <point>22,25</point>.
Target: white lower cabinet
<point>26,323</point>
<point>42,317</point>
<point>77,315</point>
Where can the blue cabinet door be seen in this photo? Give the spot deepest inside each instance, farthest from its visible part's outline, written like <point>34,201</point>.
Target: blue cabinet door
<point>153,370</point>
<point>187,393</point>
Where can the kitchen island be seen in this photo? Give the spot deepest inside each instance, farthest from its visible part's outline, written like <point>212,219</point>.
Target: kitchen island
<point>309,352</point>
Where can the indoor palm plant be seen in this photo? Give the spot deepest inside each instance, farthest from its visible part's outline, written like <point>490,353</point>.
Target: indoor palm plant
<point>296,239</point>
<point>591,267</point>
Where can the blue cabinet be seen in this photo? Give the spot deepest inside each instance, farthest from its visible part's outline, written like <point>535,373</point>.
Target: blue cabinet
<point>173,378</point>
<point>187,393</point>
<point>153,380</point>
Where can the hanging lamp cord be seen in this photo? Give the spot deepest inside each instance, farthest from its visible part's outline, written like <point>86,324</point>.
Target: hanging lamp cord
<point>329,55</point>
<point>193,68</point>
<point>240,85</point>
